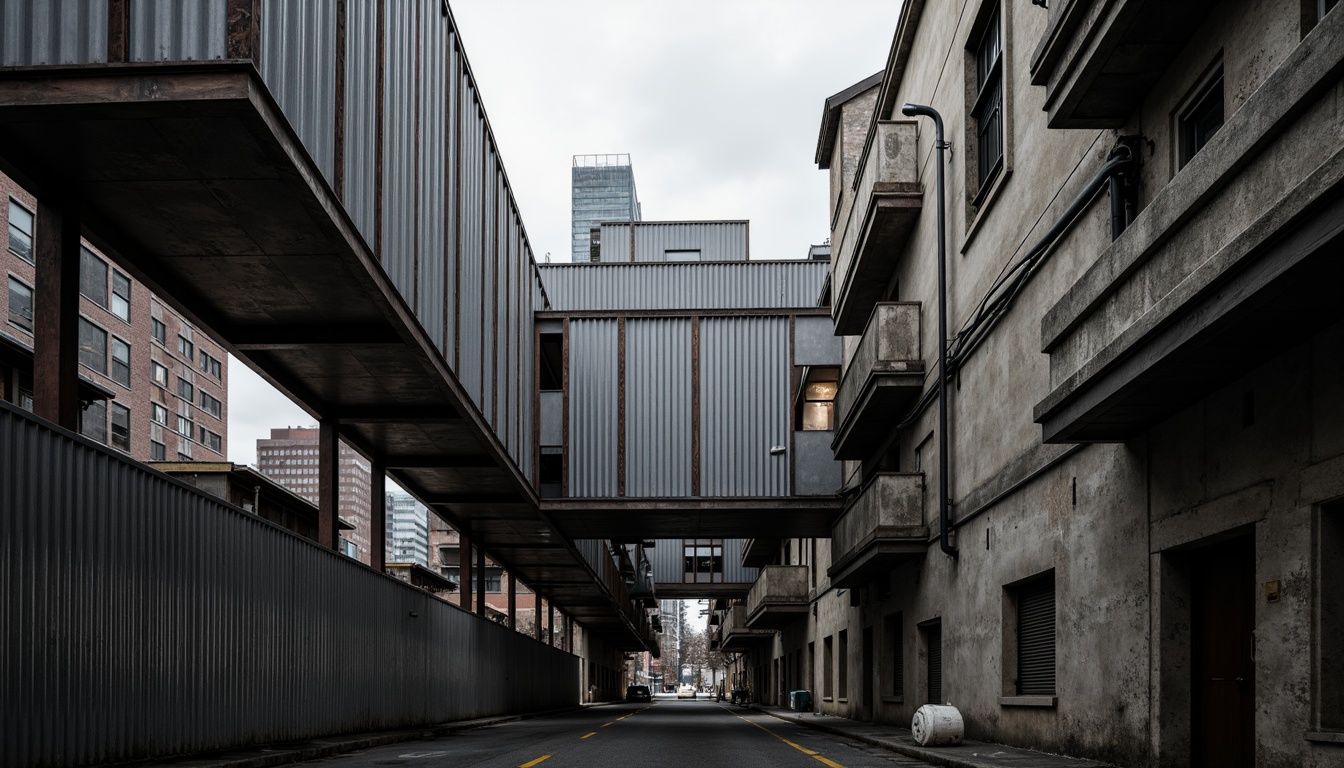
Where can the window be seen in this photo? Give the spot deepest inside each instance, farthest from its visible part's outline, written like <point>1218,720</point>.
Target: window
<point>158,413</point>
<point>211,406</point>
<point>702,561</point>
<point>185,427</point>
<point>93,277</point>
<point>1323,7</point>
<point>92,346</point>
<point>209,364</point>
<point>121,362</point>
<point>121,296</point>
<point>494,579</point>
<point>185,347</point>
<point>93,421</point>
<point>1201,118</point>
<point>1035,618</point>
<point>816,402</point>
<point>121,427</point>
<point>552,465</point>
<point>827,664</point>
<point>933,648</point>
<point>895,645</point>
<point>450,556</point>
<point>158,330</point>
<point>21,231</point>
<point>185,390</point>
<point>20,305</point>
<point>843,667</point>
<point>157,451</point>
<point>681,255</point>
<point>211,440</point>
<point>159,373</point>
<point>552,354</point>
<point>987,106</point>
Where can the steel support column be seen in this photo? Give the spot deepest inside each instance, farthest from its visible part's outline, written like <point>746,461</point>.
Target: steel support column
<point>480,581</point>
<point>550,623</point>
<point>328,484</point>
<point>56,314</point>
<point>464,570</point>
<point>377,516</point>
<point>536,616</point>
<point>513,602</point>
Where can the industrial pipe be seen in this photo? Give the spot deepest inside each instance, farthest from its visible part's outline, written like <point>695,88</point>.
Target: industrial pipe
<point>944,504</point>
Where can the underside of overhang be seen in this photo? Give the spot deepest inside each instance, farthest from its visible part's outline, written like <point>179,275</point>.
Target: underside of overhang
<point>191,178</point>
<point>630,519</point>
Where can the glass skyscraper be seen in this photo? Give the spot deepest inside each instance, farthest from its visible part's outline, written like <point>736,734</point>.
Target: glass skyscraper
<point>602,189</point>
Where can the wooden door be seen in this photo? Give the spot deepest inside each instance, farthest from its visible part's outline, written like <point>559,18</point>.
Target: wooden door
<point>1223,688</point>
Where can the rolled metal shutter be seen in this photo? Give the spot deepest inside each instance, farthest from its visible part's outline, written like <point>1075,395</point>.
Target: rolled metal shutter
<point>1036,638</point>
<point>934,633</point>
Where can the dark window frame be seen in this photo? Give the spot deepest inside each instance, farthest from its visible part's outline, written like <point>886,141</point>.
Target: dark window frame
<point>186,390</point>
<point>702,557</point>
<point>1201,116</point>
<point>158,330</point>
<point>88,356</point>
<point>987,107</point>
<point>120,369</point>
<point>120,304</point>
<point>186,348</point>
<point>1035,627</point>
<point>119,435</point>
<point>211,405</point>
<point>23,251</point>
<point>93,421</point>
<point>157,451</point>
<point>16,317</point>
<point>93,281</point>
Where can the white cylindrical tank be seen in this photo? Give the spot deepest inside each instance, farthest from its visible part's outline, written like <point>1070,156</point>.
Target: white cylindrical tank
<point>936,725</point>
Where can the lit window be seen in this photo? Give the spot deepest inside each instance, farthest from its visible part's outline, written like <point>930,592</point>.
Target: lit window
<point>93,348</point>
<point>159,373</point>
<point>21,231</point>
<point>702,561</point>
<point>93,277</point>
<point>121,296</point>
<point>20,305</point>
<point>121,362</point>
<point>1201,118</point>
<point>987,108</point>
<point>816,406</point>
<point>121,427</point>
<point>158,330</point>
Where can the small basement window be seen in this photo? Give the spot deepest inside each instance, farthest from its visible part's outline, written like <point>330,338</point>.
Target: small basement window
<point>816,400</point>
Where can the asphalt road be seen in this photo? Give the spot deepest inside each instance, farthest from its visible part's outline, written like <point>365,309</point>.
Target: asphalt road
<point>668,732</point>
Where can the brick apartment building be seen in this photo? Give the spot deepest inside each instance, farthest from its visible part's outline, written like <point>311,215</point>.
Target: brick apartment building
<point>290,458</point>
<point>153,385</point>
<point>445,558</point>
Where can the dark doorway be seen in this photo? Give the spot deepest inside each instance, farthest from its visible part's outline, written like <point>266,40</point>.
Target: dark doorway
<point>869,682</point>
<point>1222,622</point>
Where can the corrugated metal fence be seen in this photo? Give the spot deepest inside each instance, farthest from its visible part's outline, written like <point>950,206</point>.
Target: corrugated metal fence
<point>143,618</point>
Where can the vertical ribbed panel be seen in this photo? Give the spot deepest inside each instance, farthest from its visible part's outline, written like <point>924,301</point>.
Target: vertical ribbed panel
<point>489,274</point>
<point>658,407</point>
<point>667,559</point>
<point>298,63</point>
<point>400,148</point>
<point>748,285</point>
<point>472,257</point>
<point>715,240</point>
<point>173,30</point>
<point>1036,638</point>
<point>733,570</point>
<point>593,409</point>
<point>744,406</point>
<point>361,115</point>
<point>430,248</point>
<point>34,32</point>
<point>145,619</point>
<point>452,130</point>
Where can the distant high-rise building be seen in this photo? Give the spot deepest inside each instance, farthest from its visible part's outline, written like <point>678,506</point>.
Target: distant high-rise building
<point>290,458</point>
<point>602,189</point>
<point>407,530</point>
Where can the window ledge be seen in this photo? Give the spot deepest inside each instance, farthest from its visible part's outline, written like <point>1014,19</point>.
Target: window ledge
<point>842,700</point>
<point>893,699</point>
<point>986,201</point>
<point>826,698</point>
<point>1028,701</point>
<point>1325,737</point>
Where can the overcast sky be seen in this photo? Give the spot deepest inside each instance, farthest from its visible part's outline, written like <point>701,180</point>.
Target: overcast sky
<point>717,103</point>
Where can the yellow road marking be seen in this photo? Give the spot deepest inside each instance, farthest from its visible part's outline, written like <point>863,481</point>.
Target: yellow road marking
<point>538,761</point>
<point>604,725</point>
<point>586,735</point>
<point>825,761</point>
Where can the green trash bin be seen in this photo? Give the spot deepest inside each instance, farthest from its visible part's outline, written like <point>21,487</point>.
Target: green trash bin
<point>800,701</point>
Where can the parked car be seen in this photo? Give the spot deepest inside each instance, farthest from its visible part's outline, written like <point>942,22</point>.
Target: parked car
<point>686,692</point>
<point>638,693</point>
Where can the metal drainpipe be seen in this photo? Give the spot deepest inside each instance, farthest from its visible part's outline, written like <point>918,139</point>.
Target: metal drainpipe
<point>944,503</point>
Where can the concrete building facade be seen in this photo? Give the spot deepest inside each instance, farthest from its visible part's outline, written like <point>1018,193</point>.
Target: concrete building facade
<point>407,530</point>
<point>1145,450</point>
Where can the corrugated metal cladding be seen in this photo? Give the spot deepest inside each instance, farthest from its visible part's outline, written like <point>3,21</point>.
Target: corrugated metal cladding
<point>744,406</point>
<point>400,153</point>
<point>361,116</point>
<point>714,240</point>
<point>748,285</point>
<point>667,557</point>
<point>298,63</point>
<point>156,620</point>
<point>593,407</point>
<point>431,247</point>
<point>172,30</point>
<point>593,551</point>
<point>658,407</point>
<point>52,32</point>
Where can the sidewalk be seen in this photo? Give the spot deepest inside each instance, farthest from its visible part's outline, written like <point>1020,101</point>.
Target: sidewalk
<point>968,754</point>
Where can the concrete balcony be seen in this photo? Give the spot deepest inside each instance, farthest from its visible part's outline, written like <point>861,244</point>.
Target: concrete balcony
<point>734,634</point>
<point>883,379</point>
<point>778,597</point>
<point>881,529</point>
<point>868,241</point>
<point>1098,61</point>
